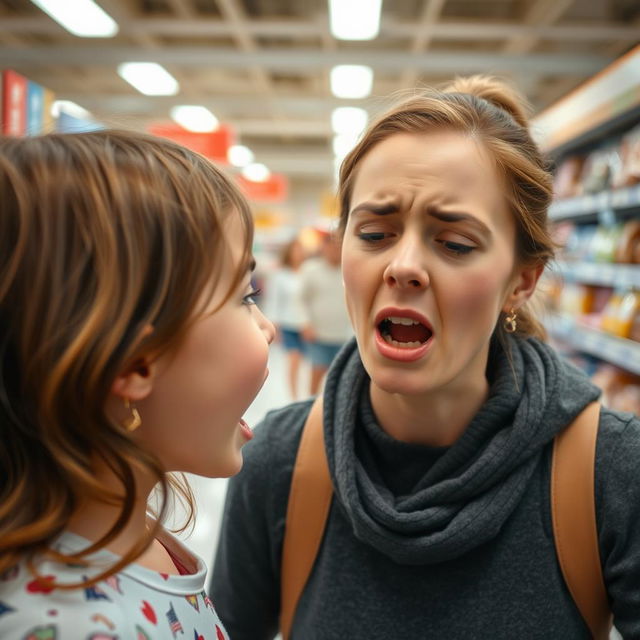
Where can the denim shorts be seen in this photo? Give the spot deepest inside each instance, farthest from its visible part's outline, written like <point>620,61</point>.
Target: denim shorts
<point>322,354</point>
<point>292,340</point>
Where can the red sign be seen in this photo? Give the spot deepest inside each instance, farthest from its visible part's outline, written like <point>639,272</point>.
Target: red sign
<point>274,189</point>
<point>212,145</point>
<point>14,104</point>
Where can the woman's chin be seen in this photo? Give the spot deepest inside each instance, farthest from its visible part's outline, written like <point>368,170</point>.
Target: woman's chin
<point>409,383</point>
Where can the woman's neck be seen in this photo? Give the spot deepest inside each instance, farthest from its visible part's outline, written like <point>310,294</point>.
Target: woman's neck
<point>436,419</point>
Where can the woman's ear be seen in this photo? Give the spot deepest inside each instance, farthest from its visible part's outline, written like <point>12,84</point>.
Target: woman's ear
<point>523,287</point>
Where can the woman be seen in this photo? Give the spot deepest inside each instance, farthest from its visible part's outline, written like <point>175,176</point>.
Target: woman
<point>439,418</point>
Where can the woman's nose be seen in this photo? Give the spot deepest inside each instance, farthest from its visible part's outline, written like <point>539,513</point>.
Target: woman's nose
<point>407,268</point>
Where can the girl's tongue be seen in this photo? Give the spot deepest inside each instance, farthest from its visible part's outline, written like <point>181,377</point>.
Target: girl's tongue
<point>246,430</point>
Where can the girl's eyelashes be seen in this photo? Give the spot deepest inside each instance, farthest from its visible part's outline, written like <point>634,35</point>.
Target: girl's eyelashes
<point>252,297</point>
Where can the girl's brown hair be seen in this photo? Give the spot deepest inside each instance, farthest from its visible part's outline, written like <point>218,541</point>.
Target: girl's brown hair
<point>101,235</point>
<point>492,112</point>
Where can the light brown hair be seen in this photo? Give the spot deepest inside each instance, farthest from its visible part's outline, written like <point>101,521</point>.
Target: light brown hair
<point>101,235</point>
<point>494,113</point>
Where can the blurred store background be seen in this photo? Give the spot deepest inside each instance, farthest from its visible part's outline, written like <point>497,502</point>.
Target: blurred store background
<point>278,91</point>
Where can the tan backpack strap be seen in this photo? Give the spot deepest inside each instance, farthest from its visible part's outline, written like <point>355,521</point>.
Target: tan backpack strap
<point>574,518</point>
<point>307,512</point>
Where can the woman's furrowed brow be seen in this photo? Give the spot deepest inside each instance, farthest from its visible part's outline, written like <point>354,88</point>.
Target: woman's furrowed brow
<point>455,216</point>
<point>376,209</point>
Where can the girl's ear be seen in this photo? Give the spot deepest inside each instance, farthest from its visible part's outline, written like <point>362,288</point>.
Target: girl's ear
<point>135,382</point>
<point>522,289</point>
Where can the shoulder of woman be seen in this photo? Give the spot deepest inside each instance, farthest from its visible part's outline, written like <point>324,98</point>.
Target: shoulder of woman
<point>617,429</point>
<point>617,456</point>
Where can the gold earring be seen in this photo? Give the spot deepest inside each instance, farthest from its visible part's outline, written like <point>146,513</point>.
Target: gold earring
<point>135,420</point>
<point>510,322</point>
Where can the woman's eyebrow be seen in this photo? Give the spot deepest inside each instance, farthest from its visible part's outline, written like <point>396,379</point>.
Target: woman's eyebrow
<point>376,209</point>
<point>458,216</point>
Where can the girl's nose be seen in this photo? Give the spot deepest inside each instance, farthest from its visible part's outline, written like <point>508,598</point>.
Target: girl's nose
<point>266,325</point>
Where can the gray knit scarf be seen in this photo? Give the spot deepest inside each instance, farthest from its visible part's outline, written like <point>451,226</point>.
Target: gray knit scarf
<point>465,497</point>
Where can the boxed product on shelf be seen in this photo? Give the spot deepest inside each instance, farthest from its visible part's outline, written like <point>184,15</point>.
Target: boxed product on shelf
<point>628,249</point>
<point>629,173</point>
<point>621,314</point>
<point>605,242</point>
<point>617,243</point>
<point>575,298</point>
<point>597,170</point>
<point>566,182</point>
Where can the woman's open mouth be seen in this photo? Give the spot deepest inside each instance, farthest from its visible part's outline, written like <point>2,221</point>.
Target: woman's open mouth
<point>402,335</point>
<point>405,333</point>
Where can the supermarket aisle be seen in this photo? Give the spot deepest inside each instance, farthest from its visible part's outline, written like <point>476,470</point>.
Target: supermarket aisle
<point>210,493</point>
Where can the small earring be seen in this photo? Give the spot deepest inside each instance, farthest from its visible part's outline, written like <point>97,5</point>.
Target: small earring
<point>510,322</point>
<point>135,420</point>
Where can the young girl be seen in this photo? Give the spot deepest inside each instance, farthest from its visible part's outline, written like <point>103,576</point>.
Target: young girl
<point>130,346</point>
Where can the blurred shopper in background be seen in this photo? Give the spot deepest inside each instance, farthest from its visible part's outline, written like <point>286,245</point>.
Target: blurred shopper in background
<point>130,347</point>
<point>282,306</point>
<point>326,325</point>
<point>438,420</point>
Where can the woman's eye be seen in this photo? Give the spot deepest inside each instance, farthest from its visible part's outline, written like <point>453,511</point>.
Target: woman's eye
<point>252,298</point>
<point>456,248</point>
<point>376,236</point>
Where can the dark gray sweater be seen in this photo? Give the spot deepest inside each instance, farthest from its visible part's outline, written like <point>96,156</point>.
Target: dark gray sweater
<point>509,586</point>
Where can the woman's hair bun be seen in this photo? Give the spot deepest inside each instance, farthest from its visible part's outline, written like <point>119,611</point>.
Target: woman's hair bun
<point>496,91</point>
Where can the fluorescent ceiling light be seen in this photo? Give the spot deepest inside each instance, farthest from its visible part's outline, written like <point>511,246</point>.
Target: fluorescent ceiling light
<point>82,18</point>
<point>195,118</point>
<point>354,19</point>
<point>348,120</point>
<point>70,108</point>
<point>256,172</point>
<point>149,78</point>
<point>351,81</point>
<point>239,155</point>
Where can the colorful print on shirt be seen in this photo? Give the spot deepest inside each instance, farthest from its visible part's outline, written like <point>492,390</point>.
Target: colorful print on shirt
<point>136,603</point>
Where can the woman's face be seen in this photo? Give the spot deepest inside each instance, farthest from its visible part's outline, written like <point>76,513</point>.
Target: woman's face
<point>428,261</point>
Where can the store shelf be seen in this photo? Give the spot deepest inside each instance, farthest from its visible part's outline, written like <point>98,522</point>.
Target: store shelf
<point>593,108</point>
<point>618,351</point>
<point>593,204</point>
<point>626,276</point>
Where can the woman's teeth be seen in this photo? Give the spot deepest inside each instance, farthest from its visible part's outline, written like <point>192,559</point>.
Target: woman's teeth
<point>405,321</point>
<point>402,345</point>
